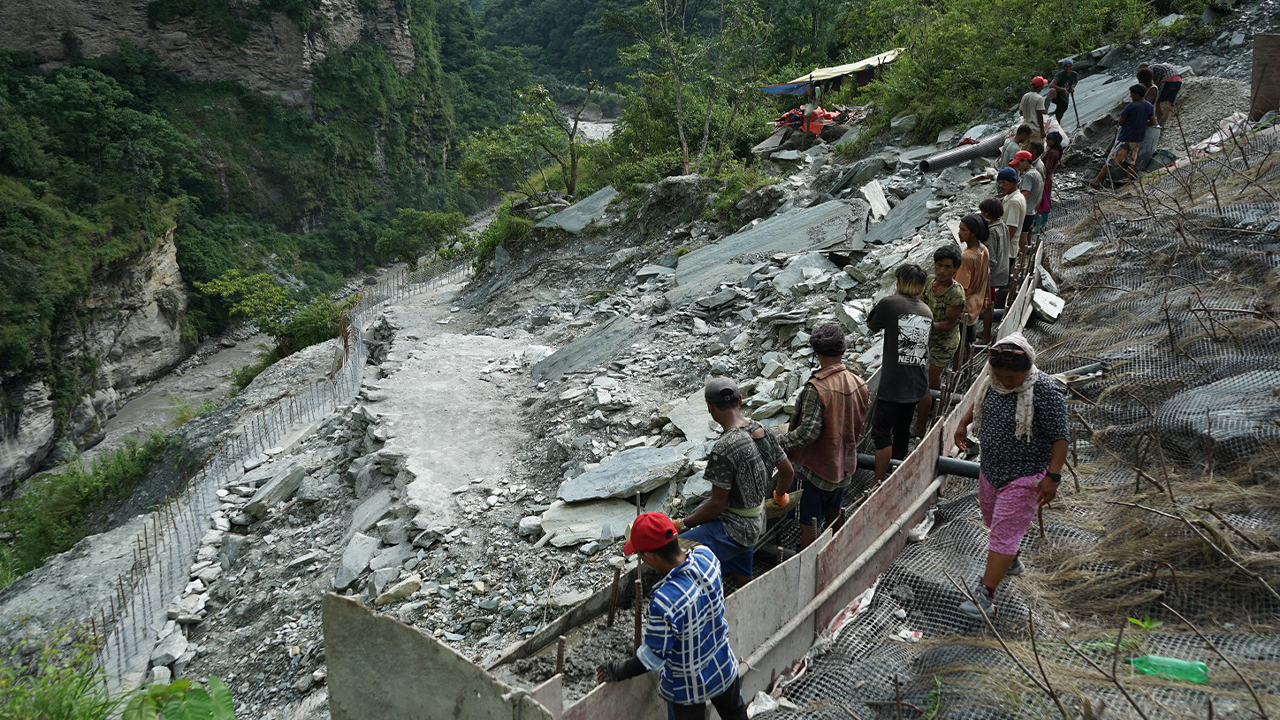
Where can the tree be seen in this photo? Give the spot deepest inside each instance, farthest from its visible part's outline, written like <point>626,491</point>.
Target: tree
<point>257,298</point>
<point>413,233</point>
<point>708,50</point>
<point>544,126</point>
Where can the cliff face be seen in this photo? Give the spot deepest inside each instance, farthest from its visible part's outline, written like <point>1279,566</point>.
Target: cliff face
<point>125,333</point>
<point>274,57</point>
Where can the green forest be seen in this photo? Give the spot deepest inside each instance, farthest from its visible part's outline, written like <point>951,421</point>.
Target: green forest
<point>102,156</point>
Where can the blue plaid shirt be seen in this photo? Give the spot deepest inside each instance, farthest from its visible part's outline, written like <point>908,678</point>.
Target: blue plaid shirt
<point>686,638</point>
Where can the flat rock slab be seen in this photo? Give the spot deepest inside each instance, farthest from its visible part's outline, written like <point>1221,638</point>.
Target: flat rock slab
<point>1048,307</point>
<point>875,197</point>
<point>1080,250</point>
<point>575,218</point>
<point>794,273</point>
<point>1096,100</point>
<point>371,510</point>
<point>355,559</point>
<point>908,216</point>
<point>575,523</point>
<point>596,348</point>
<point>729,260</point>
<point>279,488</point>
<point>692,419</point>
<point>638,470</point>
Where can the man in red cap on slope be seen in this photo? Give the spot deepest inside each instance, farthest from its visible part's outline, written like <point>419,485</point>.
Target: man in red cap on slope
<point>686,638</point>
<point>1032,108</point>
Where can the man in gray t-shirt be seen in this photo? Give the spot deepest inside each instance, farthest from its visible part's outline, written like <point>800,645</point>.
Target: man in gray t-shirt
<point>740,470</point>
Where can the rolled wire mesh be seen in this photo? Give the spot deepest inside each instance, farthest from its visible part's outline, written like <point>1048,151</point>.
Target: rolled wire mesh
<point>123,630</point>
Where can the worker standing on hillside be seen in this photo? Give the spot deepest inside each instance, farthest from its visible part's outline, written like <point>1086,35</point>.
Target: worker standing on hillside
<point>1021,137</point>
<point>904,374</point>
<point>1134,120</point>
<point>822,442</point>
<point>686,638</point>
<point>1032,108</point>
<point>1144,79</point>
<point>1170,82</point>
<point>997,243</point>
<point>739,469</point>
<point>1031,185</point>
<point>974,274</point>
<point>1022,430</point>
<point>945,299</point>
<point>1015,212</point>
<point>1052,156</point>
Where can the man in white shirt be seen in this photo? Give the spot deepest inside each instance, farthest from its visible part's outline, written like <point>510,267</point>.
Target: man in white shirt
<point>1032,108</point>
<point>1015,207</point>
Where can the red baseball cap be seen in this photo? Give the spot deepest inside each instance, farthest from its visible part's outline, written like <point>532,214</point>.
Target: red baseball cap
<point>649,531</point>
<point>1038,81</point>
<point>1019,157</point>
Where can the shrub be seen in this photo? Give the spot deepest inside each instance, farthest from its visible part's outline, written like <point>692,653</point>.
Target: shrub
<point>55,686</point>
<point>506,229</point>
<point>51,514</point>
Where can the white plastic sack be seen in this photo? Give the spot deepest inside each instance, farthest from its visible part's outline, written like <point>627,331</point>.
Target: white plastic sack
<point>761,704</point>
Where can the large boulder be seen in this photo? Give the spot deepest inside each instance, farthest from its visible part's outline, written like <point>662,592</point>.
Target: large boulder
<point>567,524</point>
<point>576,218</point>
<point>638,470</point>
<point>1233,416</point>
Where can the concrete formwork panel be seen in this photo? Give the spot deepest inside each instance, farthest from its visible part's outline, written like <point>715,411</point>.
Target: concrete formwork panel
<point>550,695</point>
<point>634,698</point>
<point>772,600</point>
<point>885,511</point>
<point>410,675</point>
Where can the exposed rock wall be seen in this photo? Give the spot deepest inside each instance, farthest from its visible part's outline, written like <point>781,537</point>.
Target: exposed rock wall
<point>127,331</point>
<point>275,57</point>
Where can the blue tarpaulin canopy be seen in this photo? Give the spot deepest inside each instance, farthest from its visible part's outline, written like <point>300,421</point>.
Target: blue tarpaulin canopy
<point>792,88</point>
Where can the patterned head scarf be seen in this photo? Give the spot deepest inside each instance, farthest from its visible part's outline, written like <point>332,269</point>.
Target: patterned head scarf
<point>1026,408</point>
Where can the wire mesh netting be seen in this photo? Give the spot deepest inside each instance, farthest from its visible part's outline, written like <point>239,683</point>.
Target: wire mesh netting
<point>123,629</point>
<point>1171,501</point>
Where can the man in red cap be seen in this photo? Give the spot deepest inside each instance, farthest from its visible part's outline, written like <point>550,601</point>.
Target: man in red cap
<point>686,638</point>
<point>1032,108</point>
<point>1031,185</point>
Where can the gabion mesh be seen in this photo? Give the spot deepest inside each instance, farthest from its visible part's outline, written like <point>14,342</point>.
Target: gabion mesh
<point>1174,301</point>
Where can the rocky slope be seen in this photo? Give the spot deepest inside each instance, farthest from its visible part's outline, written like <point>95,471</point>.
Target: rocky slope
<point>274,56</point>
<point>126,333</point>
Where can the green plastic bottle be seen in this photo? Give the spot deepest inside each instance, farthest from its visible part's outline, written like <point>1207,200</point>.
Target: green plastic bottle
<point>1172,668</point>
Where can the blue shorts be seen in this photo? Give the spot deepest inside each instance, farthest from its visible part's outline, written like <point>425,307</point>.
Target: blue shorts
<point>736,559</point>
<point>816,503</point>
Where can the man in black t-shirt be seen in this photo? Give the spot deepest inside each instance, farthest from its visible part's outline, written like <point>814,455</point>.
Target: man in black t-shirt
<point>904,369</point>
<point>1062,87</point>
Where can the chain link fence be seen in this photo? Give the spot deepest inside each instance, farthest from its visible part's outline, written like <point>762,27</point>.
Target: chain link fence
<point>123,630</point>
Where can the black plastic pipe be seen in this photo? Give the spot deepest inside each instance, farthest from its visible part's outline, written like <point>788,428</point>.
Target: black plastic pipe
<point>946,465</point>
<point>989,145</point>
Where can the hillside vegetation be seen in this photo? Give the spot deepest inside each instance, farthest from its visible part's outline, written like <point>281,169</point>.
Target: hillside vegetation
<point>101,157</point>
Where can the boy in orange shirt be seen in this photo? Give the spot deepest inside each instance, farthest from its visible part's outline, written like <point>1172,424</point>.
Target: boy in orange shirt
<point>974,273</point>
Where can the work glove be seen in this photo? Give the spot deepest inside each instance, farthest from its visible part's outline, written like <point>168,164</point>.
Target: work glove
<point>782,500</point>
<point>607,673</point>
<point>620,670</point>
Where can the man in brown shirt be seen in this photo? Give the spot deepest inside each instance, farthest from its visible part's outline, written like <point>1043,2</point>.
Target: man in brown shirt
<point>822,442</point>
